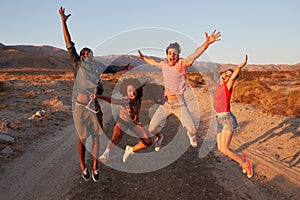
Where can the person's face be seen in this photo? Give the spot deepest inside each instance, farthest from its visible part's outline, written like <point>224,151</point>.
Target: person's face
<point>172,56</point>
<point>88,55</point>
<point>225,76</point>
<point>131,92</point>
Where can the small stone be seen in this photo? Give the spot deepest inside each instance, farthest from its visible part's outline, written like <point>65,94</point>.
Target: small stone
<point>6,138</point>
<point>7,151</point>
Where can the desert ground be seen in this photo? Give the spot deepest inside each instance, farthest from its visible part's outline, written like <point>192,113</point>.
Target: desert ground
<point>38,143</point>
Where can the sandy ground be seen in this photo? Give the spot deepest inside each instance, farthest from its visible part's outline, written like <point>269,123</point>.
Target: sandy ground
<point>48,167</point>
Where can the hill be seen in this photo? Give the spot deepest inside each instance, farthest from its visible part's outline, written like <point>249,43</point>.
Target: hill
<point>48,57</point>
<point>27,56</point>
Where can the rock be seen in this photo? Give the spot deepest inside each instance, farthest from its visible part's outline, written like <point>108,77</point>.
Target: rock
<point>4,125</point>
<point>7,151</point>
<point>6,138</point>
<point>39,113</point>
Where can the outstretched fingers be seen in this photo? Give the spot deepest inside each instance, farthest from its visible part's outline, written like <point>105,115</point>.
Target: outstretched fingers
<point>62,13</point>
<point>213,37</point>
<point>62,10</point>
<point>140,55</point>
<point>246,59</point>
<point>216,35</point>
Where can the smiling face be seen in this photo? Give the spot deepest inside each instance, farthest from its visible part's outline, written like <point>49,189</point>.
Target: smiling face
<point>225,76</point>
<point>131,92</point>
<point>172,56</point>
<point>88,55</point>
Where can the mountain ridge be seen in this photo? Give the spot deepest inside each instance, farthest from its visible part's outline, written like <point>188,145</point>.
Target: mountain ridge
<point>49,57</point>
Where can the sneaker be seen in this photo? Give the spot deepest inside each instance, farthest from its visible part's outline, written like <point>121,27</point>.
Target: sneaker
<point>127,153</point>
<point>249,169</point>
<point>157,142</point>
<point>193,140</point>
<point>95,175</point>
<point>104,157</point>
<point>244,170</point>
<point>85,174</point>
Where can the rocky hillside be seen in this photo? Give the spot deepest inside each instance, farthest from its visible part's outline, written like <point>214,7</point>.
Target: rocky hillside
<point>48,57</point>
<point>26,56</point>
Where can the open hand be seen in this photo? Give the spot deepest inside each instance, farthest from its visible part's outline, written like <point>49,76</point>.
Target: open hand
<point>140,55</point>
<point>63,16</point>
<point>245,61</point>
<point>213,37</point>
<point>93,96</point>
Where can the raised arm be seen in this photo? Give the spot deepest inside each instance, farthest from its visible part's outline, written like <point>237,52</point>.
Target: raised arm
<point>73,55</point>
<point>112,69</point>
<point>199,51</point>
<point>236,73</point>
<point>64,19</point>
<point>109,99</point>
<point>148,60</point>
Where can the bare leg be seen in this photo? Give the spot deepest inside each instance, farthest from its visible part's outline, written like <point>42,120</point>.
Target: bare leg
<point>223,142</point>
<point>145,140</point>
<point>95,152</point>
<point>116,137</point>
<point>81,152</point>
<point>191,129</point>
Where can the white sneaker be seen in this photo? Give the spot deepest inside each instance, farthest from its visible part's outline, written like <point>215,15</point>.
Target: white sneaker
<point>157,142</point>
<point>193,140</point>
<point>104,157</point>
<point>128,151</point>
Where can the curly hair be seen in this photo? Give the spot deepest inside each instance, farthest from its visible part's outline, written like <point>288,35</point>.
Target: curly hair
<point>136,84</point>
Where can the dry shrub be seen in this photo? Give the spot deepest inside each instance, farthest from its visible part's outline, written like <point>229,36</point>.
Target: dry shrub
<point>275,100</point>
<point>195,79</point>
<point>249,91</point>
<point>293,102</point>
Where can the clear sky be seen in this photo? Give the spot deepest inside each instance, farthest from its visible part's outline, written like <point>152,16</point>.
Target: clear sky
<point>267,30</point>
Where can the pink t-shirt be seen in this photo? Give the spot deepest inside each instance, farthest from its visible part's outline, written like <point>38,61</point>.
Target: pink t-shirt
<point>174,77</point>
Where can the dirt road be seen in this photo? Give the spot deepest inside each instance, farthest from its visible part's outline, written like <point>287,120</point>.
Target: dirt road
<point>49,170</point>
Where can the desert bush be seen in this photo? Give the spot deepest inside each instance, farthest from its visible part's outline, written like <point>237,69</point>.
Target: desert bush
<point>279,100</point>
<point>249,91</point>
<point>195,79</point>
<point>293,102</point>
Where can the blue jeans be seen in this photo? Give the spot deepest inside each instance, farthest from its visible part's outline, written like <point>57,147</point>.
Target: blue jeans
<point>226,121</point>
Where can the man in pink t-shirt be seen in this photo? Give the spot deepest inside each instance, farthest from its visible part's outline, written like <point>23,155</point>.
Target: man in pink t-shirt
<point>174,76</point>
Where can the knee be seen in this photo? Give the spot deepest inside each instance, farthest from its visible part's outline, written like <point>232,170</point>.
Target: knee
<point>152,129</point>
<point>116,138</point>
<point>191,130</point>
<point>147,142</point>
<point>224,151</point>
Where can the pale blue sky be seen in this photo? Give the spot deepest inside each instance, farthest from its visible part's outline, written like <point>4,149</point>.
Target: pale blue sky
<point>268,31</point>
